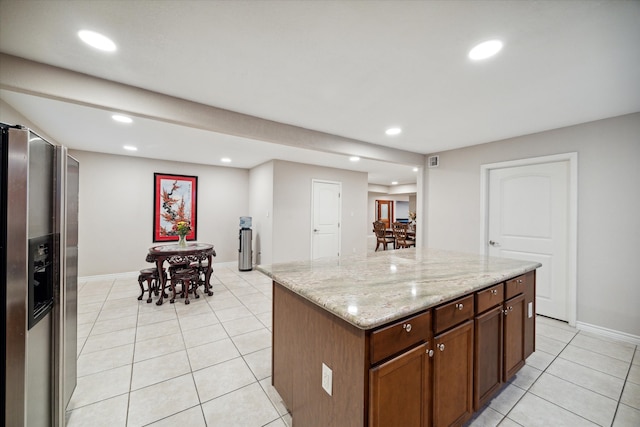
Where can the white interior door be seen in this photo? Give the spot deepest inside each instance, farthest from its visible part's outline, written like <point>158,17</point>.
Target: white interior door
<point>528,220</point>
<point>325,235</point>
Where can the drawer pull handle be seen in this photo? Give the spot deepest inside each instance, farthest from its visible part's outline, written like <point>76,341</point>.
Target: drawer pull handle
<point>519,280</point>
<point>441,347</point>
<point>459,306</point>
<point>407,327</point>
<point>506,312</point>
<point>494,292</point>
<point>430,353</point>
<point>510,308</point>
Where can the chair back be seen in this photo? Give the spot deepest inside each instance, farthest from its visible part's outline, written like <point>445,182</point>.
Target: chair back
<point>379,229</point>
<point>400,233</point>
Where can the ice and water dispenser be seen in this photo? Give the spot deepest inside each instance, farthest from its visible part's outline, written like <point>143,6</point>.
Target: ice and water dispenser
<point>244,250</point>
<point>41,278</point>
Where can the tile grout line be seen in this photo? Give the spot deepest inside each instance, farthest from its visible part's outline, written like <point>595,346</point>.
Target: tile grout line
<point>93,324</point>
<point>68,412</point>
<point>626,380</point>
<point>593,369</point>
<point>570,382</point>
<point>245,361</point>
<point>528,390</point>
<point>133,358</point>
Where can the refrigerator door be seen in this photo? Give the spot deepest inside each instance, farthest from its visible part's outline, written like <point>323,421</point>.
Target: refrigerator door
<point>71,279</point>
<point>65,313</point>
<point>15,153</point>
<point>40,337</point>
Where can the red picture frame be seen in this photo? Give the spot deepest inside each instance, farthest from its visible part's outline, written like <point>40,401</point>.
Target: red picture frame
<point>174,200</point>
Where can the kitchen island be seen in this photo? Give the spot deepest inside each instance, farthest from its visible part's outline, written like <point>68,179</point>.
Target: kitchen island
<point>408,337</point>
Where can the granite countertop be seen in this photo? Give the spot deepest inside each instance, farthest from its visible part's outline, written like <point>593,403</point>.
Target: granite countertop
<point>374,289</point>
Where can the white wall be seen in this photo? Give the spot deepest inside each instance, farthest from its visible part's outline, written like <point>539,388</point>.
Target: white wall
<point>608,290</point>
<point>292,209</point>
<point>261,208</point>
<point>116,209</point>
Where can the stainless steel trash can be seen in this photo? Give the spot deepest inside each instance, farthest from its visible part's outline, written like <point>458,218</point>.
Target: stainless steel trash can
<point>245,254</point>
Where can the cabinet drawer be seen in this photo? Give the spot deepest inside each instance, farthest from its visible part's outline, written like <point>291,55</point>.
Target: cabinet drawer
<point>515,286</point>
<point>453,313</point>
<point>489,298</point>
<point>398,336</point>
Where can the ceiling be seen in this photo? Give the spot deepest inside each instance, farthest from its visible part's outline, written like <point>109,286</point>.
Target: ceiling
<point>345,68</point>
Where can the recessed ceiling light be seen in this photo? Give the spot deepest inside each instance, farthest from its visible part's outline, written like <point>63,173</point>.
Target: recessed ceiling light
<point>97,40</point>
<point>394,183</point>
<point>225,160</point>
<point>393,131</point>
<point>130,148</point>
<point>354,159</point>
<point>485,50</point>
<point>416,169</point>
<point>122,119</point>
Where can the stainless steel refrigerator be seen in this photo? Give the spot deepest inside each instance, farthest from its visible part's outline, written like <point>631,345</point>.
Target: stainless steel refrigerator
<point>38,265</point>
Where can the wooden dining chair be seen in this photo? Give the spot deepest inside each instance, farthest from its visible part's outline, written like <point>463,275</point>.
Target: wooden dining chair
<point>382,237</point>
<point>400,234</point>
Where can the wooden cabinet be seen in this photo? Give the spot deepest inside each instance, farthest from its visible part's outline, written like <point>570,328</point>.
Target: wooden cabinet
<point>453,362</point>
<point>400,390</point>
<point>400,336</point>
<point>430,369</point>
<point>453,313</point>
<point>453,376</point>
<point>514,321</point>
<point>503,335</point>
<point>487,370</point>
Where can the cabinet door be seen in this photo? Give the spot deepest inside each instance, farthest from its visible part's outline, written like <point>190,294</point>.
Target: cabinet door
<point>453,376</point>
<point>514,324</point>
<point>488,356</point>
<point>399,390</point>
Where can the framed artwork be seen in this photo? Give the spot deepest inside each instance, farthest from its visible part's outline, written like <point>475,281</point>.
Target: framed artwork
<point>174,200</point>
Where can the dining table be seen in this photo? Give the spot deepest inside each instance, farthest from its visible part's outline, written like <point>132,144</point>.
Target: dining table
<point>175,254</point>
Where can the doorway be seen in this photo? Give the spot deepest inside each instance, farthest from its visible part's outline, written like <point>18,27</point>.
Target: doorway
<point>326,212</point>
<point>529,212</point>
<point>384,212</point>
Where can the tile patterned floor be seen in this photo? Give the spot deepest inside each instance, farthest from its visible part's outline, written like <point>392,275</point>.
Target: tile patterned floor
<point>209,364</point>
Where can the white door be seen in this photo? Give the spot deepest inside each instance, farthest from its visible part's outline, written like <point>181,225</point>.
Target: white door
<point>528,220</point>
<point>325,234</point>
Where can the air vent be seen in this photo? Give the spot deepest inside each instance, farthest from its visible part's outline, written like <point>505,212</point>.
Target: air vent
<point>434,161</point>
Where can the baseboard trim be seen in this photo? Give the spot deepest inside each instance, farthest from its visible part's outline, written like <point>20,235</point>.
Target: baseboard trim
<point>599,330</point>
<point>114,276</point>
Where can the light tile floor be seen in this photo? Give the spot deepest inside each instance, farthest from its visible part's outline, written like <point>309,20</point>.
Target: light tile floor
<point>209,364</point>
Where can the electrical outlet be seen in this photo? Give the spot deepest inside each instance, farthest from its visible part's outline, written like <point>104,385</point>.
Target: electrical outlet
<point>327,379</point>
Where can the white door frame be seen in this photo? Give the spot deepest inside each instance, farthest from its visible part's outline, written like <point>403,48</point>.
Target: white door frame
<point>313,184</point>
<point>572,235</point>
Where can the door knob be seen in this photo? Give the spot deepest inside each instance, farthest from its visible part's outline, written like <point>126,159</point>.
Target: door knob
<point>493,243</point>
<point>315,230</point>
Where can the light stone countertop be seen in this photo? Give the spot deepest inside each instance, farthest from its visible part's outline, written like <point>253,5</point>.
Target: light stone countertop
<point>374,289</point>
